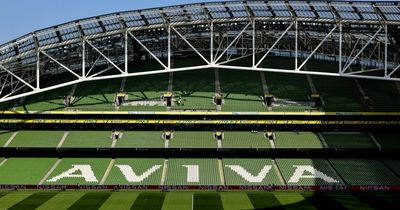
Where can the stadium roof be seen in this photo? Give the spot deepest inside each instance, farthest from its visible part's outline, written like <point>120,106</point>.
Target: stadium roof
<point>349,33</point>
<point>321,11</point>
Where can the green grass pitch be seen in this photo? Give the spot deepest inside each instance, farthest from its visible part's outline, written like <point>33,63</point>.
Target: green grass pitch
<point>207,200</point>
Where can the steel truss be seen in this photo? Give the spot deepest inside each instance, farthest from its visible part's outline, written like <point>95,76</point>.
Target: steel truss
<point>216,43</point>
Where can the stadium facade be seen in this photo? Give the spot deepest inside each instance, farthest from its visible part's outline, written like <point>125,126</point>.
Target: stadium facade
<point>235,96</point>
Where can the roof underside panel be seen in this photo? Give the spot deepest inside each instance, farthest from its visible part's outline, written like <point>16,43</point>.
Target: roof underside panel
<point>355,12</point>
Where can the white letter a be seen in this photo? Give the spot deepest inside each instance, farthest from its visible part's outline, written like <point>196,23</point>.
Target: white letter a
<point>86,172</point>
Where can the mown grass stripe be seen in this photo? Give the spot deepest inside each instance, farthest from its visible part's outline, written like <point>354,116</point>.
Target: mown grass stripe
<point>375,201</point>
<point>120,201</point>
<point>90,200</point>
<point>11,198</point>
<point>349,201</point>
<point>235,200</point>
<point>33,201</point>
<point>322,200</point>
<point>209,201</point>
<point>293,200</point>
<point>390,196</point>
<point>63,200</point>
<point>264,201</point>
<point>177,201</point>
<point>145,201</point>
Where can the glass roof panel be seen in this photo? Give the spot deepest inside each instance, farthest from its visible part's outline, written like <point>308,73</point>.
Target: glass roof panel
<point>276,5</point>
<point>370,16</point>
<point>216,8</point>
<point>283,13</point>
<point>240,14</point>
<point>300,5</point>
<point>262,13</point>
<point>220,15</point>
<point>343,7</point>
<point>393,17</point>
<point>365,8</point>
<point>322,6</point>
<point>305,14</point>
<point>325,15</point>
<point>69,31</point>
<point>349,15</point>
<point>236,6</point>
<point>257,5</point>
<point>389,9</point>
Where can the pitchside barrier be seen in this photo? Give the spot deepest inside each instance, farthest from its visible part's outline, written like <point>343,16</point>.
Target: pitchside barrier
<point>208,187</point>
<point>201,122</point>
<point>314,113</point>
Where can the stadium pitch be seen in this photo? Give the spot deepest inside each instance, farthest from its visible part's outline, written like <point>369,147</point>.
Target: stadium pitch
<point>198,200</point>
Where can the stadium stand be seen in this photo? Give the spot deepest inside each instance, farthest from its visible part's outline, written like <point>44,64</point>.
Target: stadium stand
<point>150,166</point>
<point>36,139</point>
<point>288,168</point>
<point>394,165</point>
<point>88,139</point>
<point>242,139</point>
<point>49,101</point>
<point>71,165</point>
<point>97,95</point>
<point>383,95</point>
<point>194,90</point>
<point>364,172</point>
<point>239,94</point>
<point>5,136</point>
<point>388,139</point>
<point>145,93</point>
<point>182,170</point>
<point>250,173</point>
<point>339,94</point>
<point>297,140</point>
<point>291,91</point>
<point>25,170</point>
<point>146,139</point>
<point>212,127</point>
<point>193,139</point>
<point>348,140</point>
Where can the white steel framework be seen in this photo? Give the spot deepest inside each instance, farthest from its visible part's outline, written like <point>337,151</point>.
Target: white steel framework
<point>109,46</point>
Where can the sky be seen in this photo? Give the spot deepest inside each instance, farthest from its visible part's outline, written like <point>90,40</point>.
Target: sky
<point>19,17</point>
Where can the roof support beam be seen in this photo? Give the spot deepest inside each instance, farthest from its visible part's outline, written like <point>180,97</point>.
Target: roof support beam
<point>60,64</point>
<point>190,45</point>
<point>105,57</point>
<point>145,48</point>
<point>234,40</point>
<point>361,50</point>
<point>17,77</point>
<point>273,45</point>
<point>316,48</point>
<point>394,70</point>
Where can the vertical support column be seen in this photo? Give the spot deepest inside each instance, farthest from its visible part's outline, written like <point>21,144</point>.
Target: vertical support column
<point>386,50</point>
<point>126,51</point>
<point>212,42</point>
<point>37,69</point>
<point>340,48</point>
<point>296,45</point>
<point>254,42</point>
<point>169,46</point>
<point>83,59</point>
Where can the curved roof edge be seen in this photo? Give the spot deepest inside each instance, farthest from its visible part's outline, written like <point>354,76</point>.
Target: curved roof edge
<point>357,12</point>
